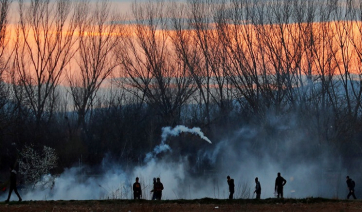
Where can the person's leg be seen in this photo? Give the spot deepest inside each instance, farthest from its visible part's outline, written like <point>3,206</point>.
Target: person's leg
<point>349,194</point>
<point>280,192</point>
<point>354,196</point>
<point>10,190</point>
<point>17,193</point>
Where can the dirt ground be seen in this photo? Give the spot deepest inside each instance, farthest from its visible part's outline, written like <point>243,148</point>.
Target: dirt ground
<point>285,205</point>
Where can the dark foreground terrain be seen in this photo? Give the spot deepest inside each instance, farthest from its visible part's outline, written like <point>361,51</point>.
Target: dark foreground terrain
<point>310,204</point>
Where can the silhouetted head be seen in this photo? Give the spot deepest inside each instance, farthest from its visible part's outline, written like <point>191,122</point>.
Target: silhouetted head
<point>278,174</point>
<point>158,179</point>
<point>256,179</point>
<point>137,179</point>
<point>347,177</point>
<point>228,177</point>
<point>154,180</point>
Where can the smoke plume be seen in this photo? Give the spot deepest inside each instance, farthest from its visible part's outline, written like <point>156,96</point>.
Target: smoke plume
<point>168,131</point>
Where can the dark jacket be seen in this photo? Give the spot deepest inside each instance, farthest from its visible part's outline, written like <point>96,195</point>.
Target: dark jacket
<point>13,178</point>
<point>158,187</point>
<point>350,184</point>
<point>231,185</point>
<point>137,188</point>
<point>257,188</point>
<point>280,182</point>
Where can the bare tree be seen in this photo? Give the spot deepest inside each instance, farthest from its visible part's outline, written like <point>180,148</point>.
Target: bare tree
<point>242,45</point>
<point>187,49</point>
<point>201,22</point>
<point>152,69</point>
<point>35,165</point>
<point>44,46</point>
<point>355,77</point>
<point>4,57</point>
<point>347,91</point>
<point>324,67</point>
<point>4,11</point>
<point>99,34</point>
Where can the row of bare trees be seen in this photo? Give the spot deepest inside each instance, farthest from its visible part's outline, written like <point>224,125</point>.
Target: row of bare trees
<point>257,56</point>
<point>217,64</point>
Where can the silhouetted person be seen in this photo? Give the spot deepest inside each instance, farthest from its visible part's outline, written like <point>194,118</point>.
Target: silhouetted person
<point>13,184</point>
<point>231,187</point>
<point>153,190</point>
<point>137,191</point>
<point>350,184</point>
<point>279,183</point>
<point>158,189</point>
<point>257,188</point>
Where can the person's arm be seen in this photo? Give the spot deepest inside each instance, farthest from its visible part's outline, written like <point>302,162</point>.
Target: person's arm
<point>284,181</point>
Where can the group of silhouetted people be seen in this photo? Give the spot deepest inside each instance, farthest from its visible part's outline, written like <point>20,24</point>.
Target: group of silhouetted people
<point>279,185</point>
<point>157,189</point>
<point>278,188</point>
<point>231,184</point>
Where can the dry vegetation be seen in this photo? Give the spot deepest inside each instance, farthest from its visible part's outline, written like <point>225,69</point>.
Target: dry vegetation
<point>309,204</point>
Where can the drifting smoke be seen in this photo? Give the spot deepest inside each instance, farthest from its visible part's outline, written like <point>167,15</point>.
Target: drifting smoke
<point>276,145</point>
<point>168,131</point>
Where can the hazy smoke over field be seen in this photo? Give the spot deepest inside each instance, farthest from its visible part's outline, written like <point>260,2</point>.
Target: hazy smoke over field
<point>262,151</point>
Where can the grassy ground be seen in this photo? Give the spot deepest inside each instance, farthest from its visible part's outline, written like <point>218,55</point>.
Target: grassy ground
<point>285,205</point>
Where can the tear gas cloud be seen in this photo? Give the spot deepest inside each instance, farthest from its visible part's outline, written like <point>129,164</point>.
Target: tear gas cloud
<point>168,131</point>
<point>310,168</point>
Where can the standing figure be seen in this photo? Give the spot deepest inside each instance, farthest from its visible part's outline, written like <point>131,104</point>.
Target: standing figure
<point>158,189</point>
<point>13,184</point>
<point>231,187</point>
<point>350,184</point>
<point>279,183</point>
<point>257,188</point>
<point>137,191</point>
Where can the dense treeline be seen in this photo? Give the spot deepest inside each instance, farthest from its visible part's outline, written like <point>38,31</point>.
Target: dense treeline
<point>83,79</point>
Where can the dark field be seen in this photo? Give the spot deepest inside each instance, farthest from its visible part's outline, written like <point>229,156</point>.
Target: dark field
<point>310,204</point>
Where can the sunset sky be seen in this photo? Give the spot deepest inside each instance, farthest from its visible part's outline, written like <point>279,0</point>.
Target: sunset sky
<point>291,33</point>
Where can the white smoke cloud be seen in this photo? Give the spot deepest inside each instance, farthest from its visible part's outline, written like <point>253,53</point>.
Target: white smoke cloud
<point>168,131</point>
<point>243,155</point>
